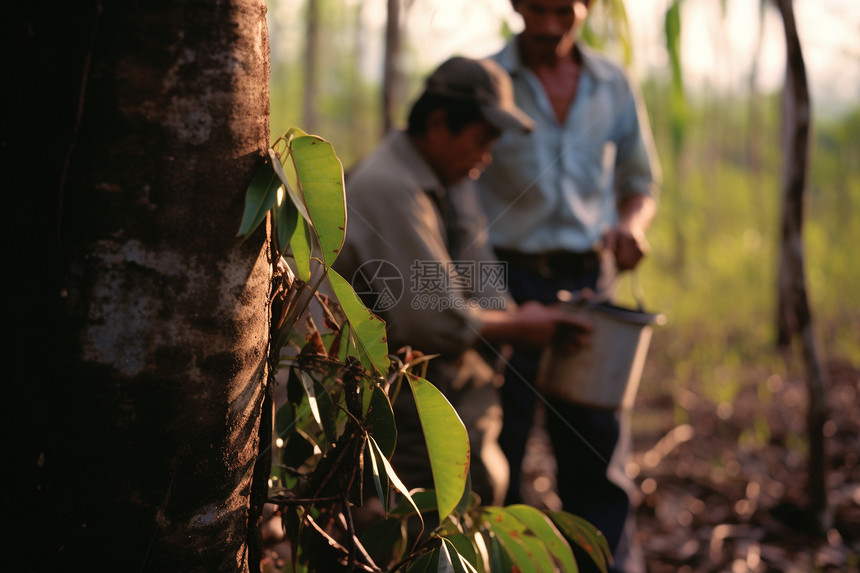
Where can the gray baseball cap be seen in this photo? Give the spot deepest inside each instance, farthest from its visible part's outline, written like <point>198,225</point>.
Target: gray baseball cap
<point>483,82</point>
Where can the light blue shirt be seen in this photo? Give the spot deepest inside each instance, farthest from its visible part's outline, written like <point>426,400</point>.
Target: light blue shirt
<point>556,188</point>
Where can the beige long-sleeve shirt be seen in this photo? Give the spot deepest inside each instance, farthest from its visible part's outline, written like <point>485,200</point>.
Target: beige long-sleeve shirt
<point>417,254</point>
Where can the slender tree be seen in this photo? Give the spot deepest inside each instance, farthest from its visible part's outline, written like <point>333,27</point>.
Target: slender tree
<point>679,124</point>
<point>140,366</point>
<point>794,311</point>
<point>391,74</point>
<point>754,144</point>
<point>311,84</point>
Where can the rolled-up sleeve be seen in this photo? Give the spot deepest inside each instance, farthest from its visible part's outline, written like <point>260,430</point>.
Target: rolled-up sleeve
<point>636,169</point>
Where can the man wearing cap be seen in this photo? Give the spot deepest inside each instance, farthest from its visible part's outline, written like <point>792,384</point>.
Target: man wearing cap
<point>416,252</point>
<point>560,201</point>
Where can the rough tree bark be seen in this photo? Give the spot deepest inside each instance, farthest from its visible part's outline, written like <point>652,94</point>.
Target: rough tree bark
<point>150,319</point>
<point>794,312</point>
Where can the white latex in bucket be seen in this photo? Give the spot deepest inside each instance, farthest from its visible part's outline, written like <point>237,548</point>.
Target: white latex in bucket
<point>606,373</point>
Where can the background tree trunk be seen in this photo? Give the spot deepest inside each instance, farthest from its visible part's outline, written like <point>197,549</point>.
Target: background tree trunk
<point>312,44</point>
<point>138,126</point>
<point>391,75</point>
<point>794,313</point>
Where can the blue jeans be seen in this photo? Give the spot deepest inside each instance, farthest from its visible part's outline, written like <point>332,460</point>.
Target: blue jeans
<point>583,438</point>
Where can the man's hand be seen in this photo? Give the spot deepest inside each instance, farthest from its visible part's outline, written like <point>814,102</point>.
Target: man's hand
<point>538,325</point>
<point>626,241</point>
<point>627,245</point>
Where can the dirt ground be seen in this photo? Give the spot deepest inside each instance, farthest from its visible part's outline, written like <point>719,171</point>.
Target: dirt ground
<point>720,487</point>
<point>722,490</point>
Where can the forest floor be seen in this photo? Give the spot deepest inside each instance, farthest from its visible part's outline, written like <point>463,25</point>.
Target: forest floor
<point>720,486</point>
<point>721,491</point>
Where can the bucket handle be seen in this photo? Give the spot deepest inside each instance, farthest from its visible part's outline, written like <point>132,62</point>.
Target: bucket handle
<point>607,284</point>
<point>637,291</point>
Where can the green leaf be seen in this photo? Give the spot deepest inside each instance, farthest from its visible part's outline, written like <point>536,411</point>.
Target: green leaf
<point>306,421</point>
<point>509,531</point>
<point>421,500</point>
<point>367,389</point>
<point>259,198</point>
<point>285,217</point>
<point>427,563</point>
<point>372,449</point>
<point>297,450</point>
<point>300,247</point>
<point>446,559</point>
<point>289,179</point>
<point>321,180</point>
<point>367,328</point>
<point>499,559</point>
<point>538,553</point>
<point>464,549</point>
<point>328,410</point>
<point>451,561</point>
<point>285,420</point>
<point>482,552</point>
<point>308,385</point>
<point>447,443</point>
<point>527,550</point>
<point>299,239</point>
<point>343,344</point>
<point>543,529</point>
<point>470,499</point>
<point>584,534</point>
<point>395,481</point>
<point>382,538</point>
<point>380,421</point>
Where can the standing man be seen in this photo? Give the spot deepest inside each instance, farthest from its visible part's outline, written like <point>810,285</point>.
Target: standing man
<point>583,181</point>
<point>417,253</point>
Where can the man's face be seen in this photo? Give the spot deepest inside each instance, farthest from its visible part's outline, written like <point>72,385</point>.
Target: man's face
<point>465,154</point>
<point>551,25</point>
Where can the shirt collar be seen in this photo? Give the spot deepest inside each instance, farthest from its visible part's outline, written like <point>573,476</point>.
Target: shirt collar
<point>509,58</point>
<point>423,175</point>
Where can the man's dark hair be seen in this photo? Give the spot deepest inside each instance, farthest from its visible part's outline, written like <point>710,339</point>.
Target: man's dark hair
<point>459,114</point>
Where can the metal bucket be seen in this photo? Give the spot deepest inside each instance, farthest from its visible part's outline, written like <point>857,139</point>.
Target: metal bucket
<point>606,373</point>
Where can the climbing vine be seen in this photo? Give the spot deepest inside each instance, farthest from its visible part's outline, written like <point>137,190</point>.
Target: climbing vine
<point>334,433</point>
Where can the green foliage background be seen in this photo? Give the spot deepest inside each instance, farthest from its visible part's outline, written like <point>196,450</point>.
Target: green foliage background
<point>715,240</point>
<point>716,245</point>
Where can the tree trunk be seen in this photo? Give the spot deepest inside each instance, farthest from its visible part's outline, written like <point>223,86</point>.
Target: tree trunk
<point>754,143</point>
<point>390,76</point>
<point>311,91</point>
<point>152,320</point>
<point>794,313</point>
